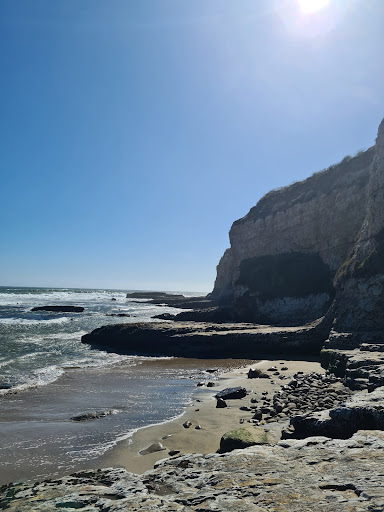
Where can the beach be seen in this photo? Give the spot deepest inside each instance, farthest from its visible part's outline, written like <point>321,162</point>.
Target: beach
<point>214,422</point>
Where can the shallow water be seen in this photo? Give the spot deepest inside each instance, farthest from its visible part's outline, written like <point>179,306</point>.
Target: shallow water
<point>53,377</point>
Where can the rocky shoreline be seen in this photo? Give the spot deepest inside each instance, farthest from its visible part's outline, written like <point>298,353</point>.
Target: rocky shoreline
<point>296,459</point>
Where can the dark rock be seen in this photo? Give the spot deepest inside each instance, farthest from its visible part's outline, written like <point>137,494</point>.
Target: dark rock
<point>220,404</point>
<point>119,314</point>
<point>93,415</point>
<point>214,314</point>
<point>256,373</point>
<point>164,316</point>
<point>59,309</point>
<point>173,452</point>
<point>113,298</point>
<point>232,393</point>
<point>210,384</point>
<point>187,424</point>
<point>202,340</point>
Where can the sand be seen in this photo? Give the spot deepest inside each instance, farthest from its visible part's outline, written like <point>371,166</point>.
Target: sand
<point>214,422</point>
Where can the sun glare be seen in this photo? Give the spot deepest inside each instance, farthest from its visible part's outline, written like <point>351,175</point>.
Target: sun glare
<point>310,6</point>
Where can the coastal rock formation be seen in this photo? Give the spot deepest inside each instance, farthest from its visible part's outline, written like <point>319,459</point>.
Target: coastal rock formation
<point>313,248</point>
<point>202,340</point>
<point>287,250</point>
<point>59,309</point>
<point>318,473</point>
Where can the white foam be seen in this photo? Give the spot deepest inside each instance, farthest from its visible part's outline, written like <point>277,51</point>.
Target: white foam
<point>39,378</point>
<point>33,321</point>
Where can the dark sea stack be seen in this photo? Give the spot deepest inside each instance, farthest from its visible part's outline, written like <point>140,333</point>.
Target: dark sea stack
<point>59,309</point>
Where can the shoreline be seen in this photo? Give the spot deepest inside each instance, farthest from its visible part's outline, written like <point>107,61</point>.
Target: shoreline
<point>214,422</point>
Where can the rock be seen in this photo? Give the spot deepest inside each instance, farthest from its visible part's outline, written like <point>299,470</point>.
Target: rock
<point>119,314</point>
<point>198,427</point>
<point>210,384</point>
<point>236,439</point>
<point>362,412</point>
<point>318,473</point>
<point>262,274</point>
<point>200,384</point>
<point>173,452</point>
<point>154,447</point>
<point>220,404</point>
<point>92,415</point>
<point>256,373</point>
<point>59,309</point>
<point>204,340</point>
<point>216,314</point>
<point>187,424</point>
<point>232,393</point>
<point>113,298</point>
<point>164,316</point>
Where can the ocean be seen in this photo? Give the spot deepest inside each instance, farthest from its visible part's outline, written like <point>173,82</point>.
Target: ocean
<point>47,376</point>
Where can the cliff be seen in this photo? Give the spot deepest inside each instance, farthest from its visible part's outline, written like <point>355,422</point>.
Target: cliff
<point>283,266</point>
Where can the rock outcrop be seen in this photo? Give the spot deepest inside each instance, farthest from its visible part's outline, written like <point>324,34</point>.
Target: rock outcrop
<point>204,340</point>
<point>59,309</point>
<point>326,475</point>
<point>286,252</point>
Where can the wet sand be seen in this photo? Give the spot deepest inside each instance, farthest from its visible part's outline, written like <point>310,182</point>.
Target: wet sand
<point>38,440</point>
<point>214,422</point>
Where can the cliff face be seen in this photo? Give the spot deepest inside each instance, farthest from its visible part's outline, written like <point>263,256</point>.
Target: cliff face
<point>286,252</point>
<point>359,303</point>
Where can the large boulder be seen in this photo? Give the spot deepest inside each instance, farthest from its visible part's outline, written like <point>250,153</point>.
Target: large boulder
<point>232,393</point>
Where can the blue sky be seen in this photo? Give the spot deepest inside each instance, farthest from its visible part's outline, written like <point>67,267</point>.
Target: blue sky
<point>134,132</point>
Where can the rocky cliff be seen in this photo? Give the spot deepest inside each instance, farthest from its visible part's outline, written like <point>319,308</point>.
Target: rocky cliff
<point>283,266</point>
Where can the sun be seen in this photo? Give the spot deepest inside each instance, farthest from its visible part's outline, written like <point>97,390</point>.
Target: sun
<point>310,6</point>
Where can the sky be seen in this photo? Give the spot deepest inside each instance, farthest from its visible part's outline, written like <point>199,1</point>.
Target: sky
<point>134,132</point>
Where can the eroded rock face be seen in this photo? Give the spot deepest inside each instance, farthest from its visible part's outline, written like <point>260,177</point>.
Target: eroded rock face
<point>312,474</point>
<point>360,282</point>
<point>307,228</point>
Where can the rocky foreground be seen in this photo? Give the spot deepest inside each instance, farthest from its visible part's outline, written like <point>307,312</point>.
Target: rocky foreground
<point>316,473</point>
<point>331,457</point>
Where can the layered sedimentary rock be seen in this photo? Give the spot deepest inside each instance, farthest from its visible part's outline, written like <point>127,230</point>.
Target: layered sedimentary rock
<point>296,475</point>
<point>359,301</point>
<point>205,340</point>
<point>286,252</point>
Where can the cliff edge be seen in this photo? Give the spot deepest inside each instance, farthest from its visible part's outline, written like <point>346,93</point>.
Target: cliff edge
<point>313,248</point>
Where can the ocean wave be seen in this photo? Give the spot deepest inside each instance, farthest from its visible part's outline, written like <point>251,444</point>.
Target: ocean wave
<point>33,321</point>
<point>58,296</point>
<point>39,378</point>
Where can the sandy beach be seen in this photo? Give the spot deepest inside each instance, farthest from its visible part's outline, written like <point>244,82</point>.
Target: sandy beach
<point>214,422</point>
